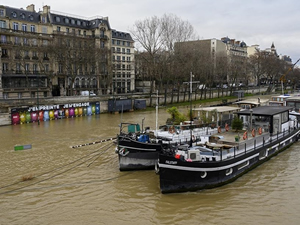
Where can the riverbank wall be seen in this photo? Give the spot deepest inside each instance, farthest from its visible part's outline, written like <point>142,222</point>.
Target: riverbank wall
<point>166,98</point>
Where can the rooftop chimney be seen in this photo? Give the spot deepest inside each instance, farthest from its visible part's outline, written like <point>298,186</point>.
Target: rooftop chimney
<point>30,8</point>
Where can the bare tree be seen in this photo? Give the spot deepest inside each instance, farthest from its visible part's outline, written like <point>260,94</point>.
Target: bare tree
<point>157,37</point>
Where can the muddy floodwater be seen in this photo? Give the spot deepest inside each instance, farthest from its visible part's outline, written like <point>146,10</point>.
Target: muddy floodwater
<point>84,186</point>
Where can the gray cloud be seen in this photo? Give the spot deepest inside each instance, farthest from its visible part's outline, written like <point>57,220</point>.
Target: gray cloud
<point>255,22</point>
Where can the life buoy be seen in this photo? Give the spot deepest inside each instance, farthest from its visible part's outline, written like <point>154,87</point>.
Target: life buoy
<point>253,132</point>
<point>245,135</point>
<point>226,127</point>
<point>219,129</point>
<point>260,131</point>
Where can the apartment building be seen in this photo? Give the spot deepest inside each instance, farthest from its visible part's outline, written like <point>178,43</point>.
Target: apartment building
<point>48,53</point>
<point>222,52</point>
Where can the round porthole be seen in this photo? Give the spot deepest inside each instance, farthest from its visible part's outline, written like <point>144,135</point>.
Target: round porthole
<point>203,174</point>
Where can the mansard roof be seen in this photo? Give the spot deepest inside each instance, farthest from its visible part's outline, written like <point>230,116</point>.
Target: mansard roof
<point>22,14</point>
<point>121,35</point>
<point>77,22</point>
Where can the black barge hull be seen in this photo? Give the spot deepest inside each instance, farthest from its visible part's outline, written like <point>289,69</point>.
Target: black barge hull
<point>180,176</point>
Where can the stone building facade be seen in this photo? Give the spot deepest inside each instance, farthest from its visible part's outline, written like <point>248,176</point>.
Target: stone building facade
<point>47,53</point>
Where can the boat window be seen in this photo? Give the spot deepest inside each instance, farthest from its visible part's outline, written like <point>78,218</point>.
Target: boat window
<point>193,156</point>
<point>285,117</point>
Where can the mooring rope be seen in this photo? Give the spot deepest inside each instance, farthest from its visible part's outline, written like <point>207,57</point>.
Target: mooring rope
<point>108,146</point>
<point>93,143</point>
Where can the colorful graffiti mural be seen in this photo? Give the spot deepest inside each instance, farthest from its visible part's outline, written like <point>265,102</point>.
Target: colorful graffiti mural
<point>53,112</point>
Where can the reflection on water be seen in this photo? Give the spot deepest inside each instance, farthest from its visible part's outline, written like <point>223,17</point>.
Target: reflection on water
<point>84,186</point>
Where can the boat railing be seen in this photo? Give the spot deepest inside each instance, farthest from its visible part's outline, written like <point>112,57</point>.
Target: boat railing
<point>255,143</point>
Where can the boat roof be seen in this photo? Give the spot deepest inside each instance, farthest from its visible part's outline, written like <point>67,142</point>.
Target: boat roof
<point>281,96</point>
<point>265,110</point>
<point>218,109</point>
<point>297,98</point>
<point>252,101</point>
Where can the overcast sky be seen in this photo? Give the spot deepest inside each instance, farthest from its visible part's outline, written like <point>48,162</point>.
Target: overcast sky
<point>260,22</point>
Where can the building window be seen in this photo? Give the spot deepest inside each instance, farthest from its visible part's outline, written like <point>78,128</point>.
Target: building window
<point>2,12</point>
<point>58,29</point>
<point>78,22</point>
<point>34,42</point>
<point>2,24</point>
<point>118,50</point>
<point>118,42</point>
<point>102,44</point>
<point>25,41</point>
<point>57,18</point>
<point>113,41</point>
<point>16,26</point>
<point>128,43</point>
<point>26,54</point>
<point>24,27</point>
<point>128,51</point>
<point>35,68</point>
<point>45,42</point>
<point>4,67</point>
<point>46,67</point>
<point>32,28</point>
<point>44,30</point>
<point>72,21</point>
<point>27,67</point>
<point>34,55</point>
<point>18,68</point>
<point>66,20</point>
<point>84,33</point>
<point>3,39</point>
<point>60,68</point>
<point>16,40</point>
<point>14,14</point>
<point>31,17</point>
<point>67,30</point>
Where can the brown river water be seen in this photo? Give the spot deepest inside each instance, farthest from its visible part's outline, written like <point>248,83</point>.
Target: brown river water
<point>84,186</point>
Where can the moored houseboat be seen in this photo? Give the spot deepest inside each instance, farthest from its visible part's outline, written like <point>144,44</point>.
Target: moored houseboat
<point>228,155</point>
